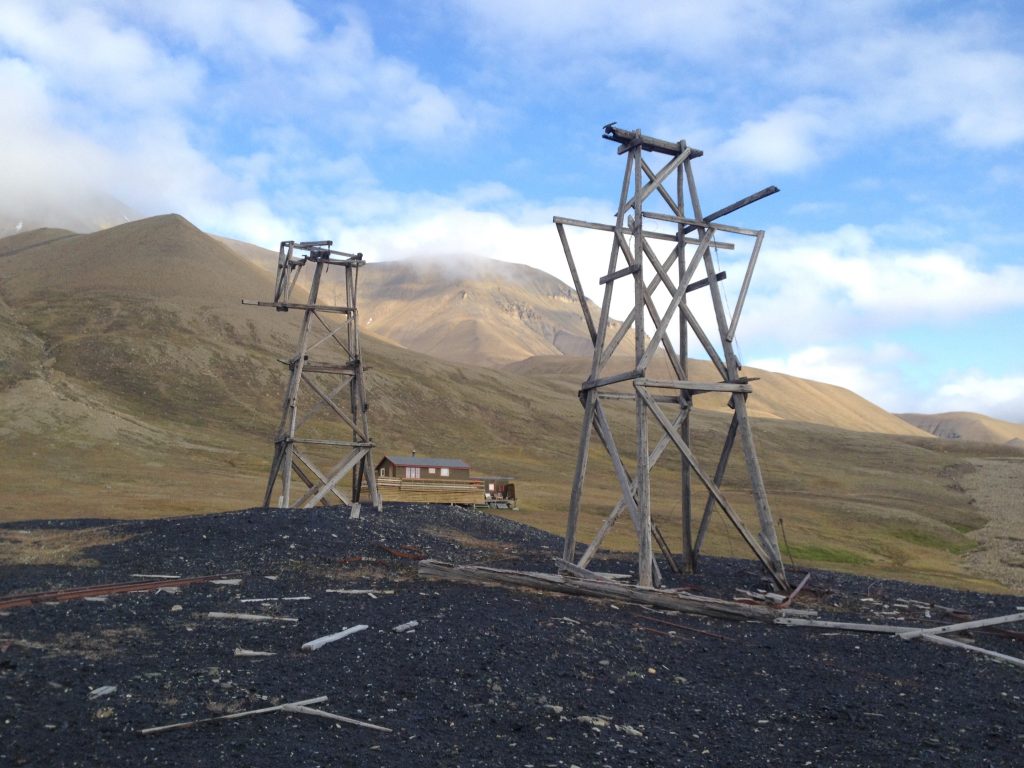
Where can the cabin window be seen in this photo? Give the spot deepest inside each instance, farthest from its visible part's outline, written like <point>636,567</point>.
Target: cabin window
<point>490,486</point>
<point>444,472</point>
<point>412,473</point>
<point>432,471</point>
<point>383,472</point>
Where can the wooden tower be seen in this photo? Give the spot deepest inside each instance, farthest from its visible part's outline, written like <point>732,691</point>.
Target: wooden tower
<point>323,435</point>
<point>661,249</point>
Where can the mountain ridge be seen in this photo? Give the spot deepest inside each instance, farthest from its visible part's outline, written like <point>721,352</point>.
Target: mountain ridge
<point>964,425</point>
<point>143,387</point>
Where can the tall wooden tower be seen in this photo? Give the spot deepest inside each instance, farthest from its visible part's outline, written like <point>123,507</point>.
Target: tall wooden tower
<point>661,252</point>
<point>323,435</point>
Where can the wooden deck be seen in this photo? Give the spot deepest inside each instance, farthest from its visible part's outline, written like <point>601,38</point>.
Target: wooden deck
<point>465,492</point>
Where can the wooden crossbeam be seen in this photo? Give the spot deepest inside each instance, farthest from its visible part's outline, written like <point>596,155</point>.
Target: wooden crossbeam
<point>286,305</point>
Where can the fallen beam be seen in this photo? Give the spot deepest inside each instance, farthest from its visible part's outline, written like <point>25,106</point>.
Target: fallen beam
<point>234,716</point>
<point>609,590</point>
<point>949,629</point>
<point>247,616</point>
<point>951,643</point>
<point>77,593</point>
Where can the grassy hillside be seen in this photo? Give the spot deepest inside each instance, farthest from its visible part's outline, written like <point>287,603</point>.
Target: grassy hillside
<point>139,386</point>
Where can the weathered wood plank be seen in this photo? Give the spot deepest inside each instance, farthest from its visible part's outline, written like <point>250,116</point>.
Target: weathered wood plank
<point>234,716</point>
<point>674,601</point>
<point>320,642</point>
<point>963,626</point>
<point>951,643</point>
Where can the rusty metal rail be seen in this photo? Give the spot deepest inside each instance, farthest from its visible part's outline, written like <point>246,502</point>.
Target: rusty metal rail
<point>100,590</point>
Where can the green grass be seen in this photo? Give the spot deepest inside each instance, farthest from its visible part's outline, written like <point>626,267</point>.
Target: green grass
<point>816,555</point>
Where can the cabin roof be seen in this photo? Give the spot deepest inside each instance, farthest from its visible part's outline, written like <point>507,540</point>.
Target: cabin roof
<point>424,461</point>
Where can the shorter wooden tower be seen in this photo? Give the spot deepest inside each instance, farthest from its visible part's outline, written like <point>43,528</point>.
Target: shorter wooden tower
<point>323,435</point>
<point>661,246</point>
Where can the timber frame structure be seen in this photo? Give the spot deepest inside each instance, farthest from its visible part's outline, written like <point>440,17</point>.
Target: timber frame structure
<point>323,430</point>
<point>652,216</point>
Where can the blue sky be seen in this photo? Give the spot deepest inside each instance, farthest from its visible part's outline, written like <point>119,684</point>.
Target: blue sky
<point>893,263</point>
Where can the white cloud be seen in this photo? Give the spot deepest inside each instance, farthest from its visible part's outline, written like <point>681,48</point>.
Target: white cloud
<point>140,102</point>
<point>786,140</point>
<point>998,396</point>
<point>85,53</point>
<point>786,88</point>
<point>869,371</point>
<point>822,287</point>
<point>236,28</point>
<point>565,29</point>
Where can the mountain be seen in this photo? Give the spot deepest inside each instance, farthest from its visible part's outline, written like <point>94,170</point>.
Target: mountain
<point>134,383</point>
<point>961,425</point>
<point>776,395</point>
<point>78,211</point>
<point>469,310</point>
<point>475,311</point>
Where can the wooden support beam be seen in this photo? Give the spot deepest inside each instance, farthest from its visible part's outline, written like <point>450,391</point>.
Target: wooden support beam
<point>605,381</point>
<point>731,334</point>
<point>576,281</point>
<point>694,386</point>
<point>632,269</point>
<point>609,521</point>
<point>284,306</point>
<point>631,139</point>
<point>648,233</point>
<point>723,463</point>
<point>755,546</point>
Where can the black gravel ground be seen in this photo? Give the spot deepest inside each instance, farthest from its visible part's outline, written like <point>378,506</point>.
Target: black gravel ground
<point>490,677</point>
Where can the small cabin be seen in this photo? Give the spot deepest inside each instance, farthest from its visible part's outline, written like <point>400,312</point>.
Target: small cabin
<point>422,468</point>
<point>430,480</point>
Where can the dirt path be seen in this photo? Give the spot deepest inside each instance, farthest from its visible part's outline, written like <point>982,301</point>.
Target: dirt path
<point>998,489</point>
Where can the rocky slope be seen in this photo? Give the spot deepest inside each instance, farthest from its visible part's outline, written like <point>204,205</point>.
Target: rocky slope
<point>489,677</point>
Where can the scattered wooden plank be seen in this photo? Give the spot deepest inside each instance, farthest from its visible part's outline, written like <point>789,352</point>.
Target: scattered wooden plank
<point>234,716</point>
<point>950,642</point>
<point>247,616</point>
<point>792,595</point>
<point>320,642</point>
<point>962,626</point>
<point>153,576</point>
<point>247,652</point>
<point>99,590</point>
<point>572,569</point>
<point>304,710</point>
<point>610,590</point>
<point>851,626</point>
<point>271,599</point>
